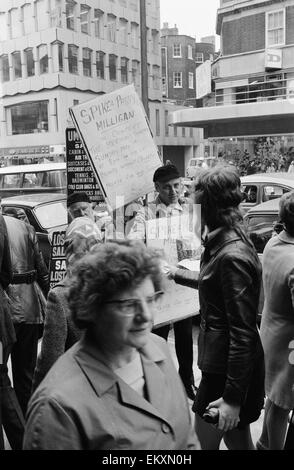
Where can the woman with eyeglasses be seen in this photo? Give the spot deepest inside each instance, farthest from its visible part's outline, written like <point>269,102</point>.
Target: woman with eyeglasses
<point>116,388</point>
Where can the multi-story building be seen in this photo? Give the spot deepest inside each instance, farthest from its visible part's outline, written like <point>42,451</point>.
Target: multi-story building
<point>181,55</point>
<point>57,53</point>
<point>254,74</point>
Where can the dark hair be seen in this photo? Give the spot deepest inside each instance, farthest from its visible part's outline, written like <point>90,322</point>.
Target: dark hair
<point>109,268</point>
<point>78,197</point>
<point>287,212</point>
<point>218,191</point>
<point>166,173</point>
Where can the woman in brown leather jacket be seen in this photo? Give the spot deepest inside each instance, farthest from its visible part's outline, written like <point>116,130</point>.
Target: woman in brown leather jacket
<point>230,354</point>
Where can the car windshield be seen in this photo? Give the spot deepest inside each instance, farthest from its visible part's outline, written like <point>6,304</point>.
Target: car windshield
<point>52,214</point>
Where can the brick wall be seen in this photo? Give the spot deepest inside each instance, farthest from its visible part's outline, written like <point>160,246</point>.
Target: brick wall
<point>244,34</point>
<point>290,25</point>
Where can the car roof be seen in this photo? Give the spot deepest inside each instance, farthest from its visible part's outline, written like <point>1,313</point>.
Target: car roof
<point>268,206</point>
<point>32,200</point>
<point>283,178</point>
<point>6,170</point>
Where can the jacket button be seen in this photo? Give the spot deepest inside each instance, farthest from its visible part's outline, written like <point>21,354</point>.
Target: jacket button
<point>165,428</point>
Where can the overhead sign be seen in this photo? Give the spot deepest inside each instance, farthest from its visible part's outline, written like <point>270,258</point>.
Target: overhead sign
<point>117,138</point>
<point>203,79</point>
<point>80,176</point>
<point>273,59</point>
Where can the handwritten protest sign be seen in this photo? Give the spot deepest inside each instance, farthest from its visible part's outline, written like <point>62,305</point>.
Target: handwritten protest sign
<point>80,176</point>
<point>117,138</point>
<point>57,267</point>
<point>171,236</point>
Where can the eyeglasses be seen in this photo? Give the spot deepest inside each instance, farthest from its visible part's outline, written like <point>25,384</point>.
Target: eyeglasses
<point>131,307</point>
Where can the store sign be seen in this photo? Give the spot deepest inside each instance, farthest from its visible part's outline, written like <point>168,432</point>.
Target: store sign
<point>203,79</point>
<point>26,150</point>
<point>273,59</point>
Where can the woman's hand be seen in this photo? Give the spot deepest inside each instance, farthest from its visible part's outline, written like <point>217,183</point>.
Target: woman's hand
<point>168,270</point>
<point>228,414</point>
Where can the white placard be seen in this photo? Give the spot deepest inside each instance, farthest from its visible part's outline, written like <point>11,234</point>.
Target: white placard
<point>164,234</point>
<point>117,138</point>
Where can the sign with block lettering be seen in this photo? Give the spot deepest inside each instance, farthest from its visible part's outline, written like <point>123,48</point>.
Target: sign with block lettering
<point>116,135</point>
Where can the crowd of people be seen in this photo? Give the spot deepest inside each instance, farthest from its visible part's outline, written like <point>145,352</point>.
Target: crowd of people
<point>104,378</point>
<point>261,162</point>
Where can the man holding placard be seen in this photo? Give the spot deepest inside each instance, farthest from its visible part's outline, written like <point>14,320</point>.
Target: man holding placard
<point>166,206</point>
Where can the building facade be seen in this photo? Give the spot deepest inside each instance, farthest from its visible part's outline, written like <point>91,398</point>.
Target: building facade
<point>253,77</point>
<point>58,53</point>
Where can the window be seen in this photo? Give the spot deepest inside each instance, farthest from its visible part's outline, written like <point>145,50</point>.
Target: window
<point>100,64</point>
<point>124,69</point>
<point>123,31</point>
<point>60,57</point>
<point>157,121</point>
<point>98,23</point>
<point>166,128</point>
<point>190,51</point>
<point>87,59</point>
<point>183,132</point>
<point>76,102</point>
<point>272,192</point>
<point>28,19</point>
<point>5,68</point>
<point>30,63</point>
<point>177,79</point>
<point>3,27</point>
<point>191,131</point>
<point>43,58</point>
<point>177,52</point>
<point>41,15</point>
<point>135,72</point>
<point>163,85</point>
<point>29,118</point>
<point>155,41</point>
<point>112,66</point>
<point>249,193</point>
<point>275,28</point>
<point>175,131</point>
<point>199,57</point>
<point>55,14</point>
<point>156,77</point>
<point>111,28</point>
<point>134,34</point>
<point>33,180</point>
<point>73,59</point>
<point>70,14</point>
<point>16,65</point>
<point>15,24</point>
<point>191,80</point>
<point>85,19</point>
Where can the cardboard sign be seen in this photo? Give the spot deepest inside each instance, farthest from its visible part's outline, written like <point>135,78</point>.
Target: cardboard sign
<point>57,266</point>
<point>171,236</point>
<point>80,176</point>
<point>116,136</point>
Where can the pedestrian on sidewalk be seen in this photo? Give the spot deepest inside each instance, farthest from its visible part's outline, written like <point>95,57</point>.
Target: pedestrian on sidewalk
<point>116,388</point>
<point>277,328</point>
<point>11,416</point>
<point>230,354</point>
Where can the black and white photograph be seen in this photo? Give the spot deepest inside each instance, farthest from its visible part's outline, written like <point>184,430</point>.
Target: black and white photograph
<point>146,229</point>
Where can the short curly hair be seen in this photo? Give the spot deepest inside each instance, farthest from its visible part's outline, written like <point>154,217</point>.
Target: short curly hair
<point>286,213</point>
<point>218,190</point>
<point>109,268</point>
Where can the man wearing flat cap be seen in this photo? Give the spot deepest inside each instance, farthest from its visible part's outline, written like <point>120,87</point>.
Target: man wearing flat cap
<point>168,203</point>
<point>79,205</point>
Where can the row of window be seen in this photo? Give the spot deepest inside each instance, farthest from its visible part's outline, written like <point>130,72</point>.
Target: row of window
<point>43,14</point>
<point>178,80</point>
<point>178,53</point>
<point>22,67</point>
<point>33,117</point>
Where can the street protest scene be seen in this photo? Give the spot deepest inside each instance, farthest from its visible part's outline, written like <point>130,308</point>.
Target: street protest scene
<point>146,228</point>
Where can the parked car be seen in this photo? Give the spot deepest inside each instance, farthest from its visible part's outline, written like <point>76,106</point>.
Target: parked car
<point>262,187</point>
<point>29,179</point>
<point>46,212</point>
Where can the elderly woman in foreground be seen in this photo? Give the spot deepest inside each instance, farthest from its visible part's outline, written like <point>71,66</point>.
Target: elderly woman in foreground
<point>117,388</point>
